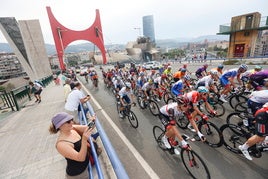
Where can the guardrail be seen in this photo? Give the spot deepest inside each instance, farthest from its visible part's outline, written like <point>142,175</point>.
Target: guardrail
<point>6,100</point>
<point>116,163</point>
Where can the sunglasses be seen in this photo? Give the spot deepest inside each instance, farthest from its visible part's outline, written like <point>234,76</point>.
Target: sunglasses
<point>68,122</point>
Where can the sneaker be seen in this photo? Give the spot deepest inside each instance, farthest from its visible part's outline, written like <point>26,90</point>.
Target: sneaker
<point>157,99</point>
<point>177,151</point>
<point>36,100</point>
<point>223,99</point>
<point>39,101</point>
<point>165,141</point>
<point>191,127</point>
<point>121,115</point>
<point>245,152</point>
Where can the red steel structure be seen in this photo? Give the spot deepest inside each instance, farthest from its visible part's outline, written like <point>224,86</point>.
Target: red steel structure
<point>64,36</point>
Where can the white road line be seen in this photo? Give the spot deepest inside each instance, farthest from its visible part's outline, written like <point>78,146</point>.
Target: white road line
<point>140,159</point>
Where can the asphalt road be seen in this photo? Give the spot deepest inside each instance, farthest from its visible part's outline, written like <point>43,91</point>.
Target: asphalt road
<point>221,162</point>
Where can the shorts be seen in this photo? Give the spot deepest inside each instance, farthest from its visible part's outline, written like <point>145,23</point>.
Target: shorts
<point>261,125</point>
<point>224,81</point>
<point>165,120</point>
<point>83,175</point>
<point>38,92</point>
<point>126,99</point>
<point>254,106</point>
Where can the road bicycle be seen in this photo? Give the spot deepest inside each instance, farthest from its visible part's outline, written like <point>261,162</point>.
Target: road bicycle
<point>233,136</point>
<point>151,104</point>
<point>126,112</point>
<point>210,131</point>
<point>193,163</point>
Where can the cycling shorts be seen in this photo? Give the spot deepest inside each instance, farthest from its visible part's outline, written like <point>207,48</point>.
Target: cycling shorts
<point>254,106</point>
<point>261,125</point>
<point>126,99</point>
<point>166,121</point>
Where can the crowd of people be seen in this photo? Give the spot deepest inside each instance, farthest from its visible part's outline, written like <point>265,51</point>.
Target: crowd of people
<point>188,91</point>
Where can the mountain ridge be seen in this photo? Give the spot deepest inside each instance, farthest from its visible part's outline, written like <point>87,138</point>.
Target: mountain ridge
<point>162,43</point>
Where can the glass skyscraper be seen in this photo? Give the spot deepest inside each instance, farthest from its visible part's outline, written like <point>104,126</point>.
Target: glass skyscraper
<point>148,27</point>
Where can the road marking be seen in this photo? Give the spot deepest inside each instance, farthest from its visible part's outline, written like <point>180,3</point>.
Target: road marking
<point>137,155</point>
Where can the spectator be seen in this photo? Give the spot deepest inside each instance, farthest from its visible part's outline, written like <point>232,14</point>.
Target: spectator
<point>67,88</point>
<point>72,143</point>
<point>36,89</point>
<point>74,98</point>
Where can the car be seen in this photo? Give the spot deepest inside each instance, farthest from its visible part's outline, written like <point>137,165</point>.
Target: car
<point>152,65</point>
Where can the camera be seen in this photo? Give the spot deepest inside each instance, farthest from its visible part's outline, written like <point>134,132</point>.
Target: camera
<point>91,124</point>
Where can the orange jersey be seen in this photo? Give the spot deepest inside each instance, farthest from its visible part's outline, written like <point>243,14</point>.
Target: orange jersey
<point>179,75</point>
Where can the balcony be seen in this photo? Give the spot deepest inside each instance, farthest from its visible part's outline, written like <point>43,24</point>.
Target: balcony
<point>225,29</point>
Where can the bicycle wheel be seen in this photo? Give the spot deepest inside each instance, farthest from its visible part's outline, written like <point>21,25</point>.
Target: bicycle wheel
<point>153,108</point>
<point>194,164</point>
<point>233,136</point>
<point>212,134</point>
<point>158,134</point>
<point>141,102</point>
<point>166,96</point>
<point>241,107</point>
<point>182,121</point>
<point>219,108</point>
<point>235,99</point>
<point>133,119</point>
<point>170,100</point>
<point>235,118</point>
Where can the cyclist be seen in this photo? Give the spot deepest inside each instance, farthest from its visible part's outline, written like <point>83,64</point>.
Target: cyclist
<point>167,117</point>
<point>202,71</point>
<point>195,97</point>
<point>168,71</point>
<point>118,83</point>
<point>218,69</point>
<point>147,87</point>
<point>208,81</point>
<point>179,74</point>
<point>179,87</point>
<point>141,80</point>
<point>161,82</point>
<point>257,99</point>
<point>227,79</point>
<point>261,131</point>
<point>259,79</point>
<point>124,97</point>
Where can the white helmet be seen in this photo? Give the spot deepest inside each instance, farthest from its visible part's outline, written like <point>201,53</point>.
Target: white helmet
<point>213,72</point>
<point>128,85</point>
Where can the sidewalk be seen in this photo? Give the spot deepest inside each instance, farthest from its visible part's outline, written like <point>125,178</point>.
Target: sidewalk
<point>27,149</point>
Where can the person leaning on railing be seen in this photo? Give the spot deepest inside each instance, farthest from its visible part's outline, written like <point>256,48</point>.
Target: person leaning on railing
<point>72,143</point>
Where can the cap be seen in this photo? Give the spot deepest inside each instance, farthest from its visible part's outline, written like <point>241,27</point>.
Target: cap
<point>60,118</point>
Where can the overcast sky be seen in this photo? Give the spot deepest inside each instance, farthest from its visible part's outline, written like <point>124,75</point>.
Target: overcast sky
<point>172,18</point>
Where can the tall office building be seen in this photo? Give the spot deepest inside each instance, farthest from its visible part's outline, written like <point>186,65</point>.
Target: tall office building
<point>148,27</point>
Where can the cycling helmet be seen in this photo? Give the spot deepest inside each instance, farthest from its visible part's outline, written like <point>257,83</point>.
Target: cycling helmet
<point>202,89</point>
<point>187,77</point>
<point>128,85</point>
<point>164,76</point>
<point>244,66</point>
<point>150,81</point>
<point>213,72</point>
<point>205,65</point>
<point>184,66</point>
<point>182,100</point>
<point>220,66</point>
<point>169,67</point>
<point>257,67</point>
<point>183,70</point>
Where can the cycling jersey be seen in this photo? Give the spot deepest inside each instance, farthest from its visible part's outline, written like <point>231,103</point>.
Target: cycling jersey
<point>123,92</point>
<point>165,109</point>
<point>261,126</point>
<point>199,71</point>
<point>167,72</point>
<point>193,97</point>
<point>259,96</point>
<point>205,81</point>
<point>147,86</point>
<point>232,73</point>
<point>256,79</point>
<point>141,81</point>
<point>179,75</point>
<point>177,87</point>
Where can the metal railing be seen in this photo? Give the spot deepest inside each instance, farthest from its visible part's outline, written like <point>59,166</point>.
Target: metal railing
<point>116,163</point>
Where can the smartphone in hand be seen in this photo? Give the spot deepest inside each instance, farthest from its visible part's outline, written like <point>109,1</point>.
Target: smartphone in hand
<point>91,124</point>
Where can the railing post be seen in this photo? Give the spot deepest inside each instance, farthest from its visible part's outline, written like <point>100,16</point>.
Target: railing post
<point>28,92</point>
<point>15,101</point>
